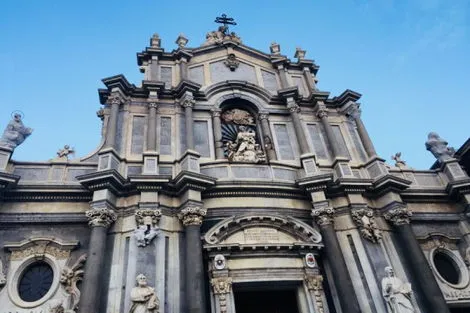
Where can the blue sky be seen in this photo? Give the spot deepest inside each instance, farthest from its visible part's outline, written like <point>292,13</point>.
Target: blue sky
<point>409,59</point>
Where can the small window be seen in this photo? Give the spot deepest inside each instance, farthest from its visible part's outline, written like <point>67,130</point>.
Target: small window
<point>446,267</point>
<point>35,281</point>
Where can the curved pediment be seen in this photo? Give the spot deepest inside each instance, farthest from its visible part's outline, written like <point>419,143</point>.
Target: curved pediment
<point>262,229</point>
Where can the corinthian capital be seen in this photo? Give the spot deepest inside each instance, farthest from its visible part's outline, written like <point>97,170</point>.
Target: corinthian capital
<point>192,215</point>
<point>187,100</point>
<point>354,111</point>
<point>100,217</point>
<point>263,116</point>
<point>294,108</point>
<point>153,104</point>
<point>215,112</point>
<point>115,98</point>
<point>399,216</point>
<point>323,216</point>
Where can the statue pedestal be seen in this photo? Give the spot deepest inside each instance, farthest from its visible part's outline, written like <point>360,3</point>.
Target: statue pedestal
<point>5,156</point>
<point>453,170</point>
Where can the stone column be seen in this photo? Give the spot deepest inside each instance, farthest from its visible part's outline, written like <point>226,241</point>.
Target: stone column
<point>99,220</point>
<point>299,130</point>
<point>115,101</point>
<point>322,114</point>
<point>217,131</point>
<point>187,102</point>
<point>355,113</point>
<point>324,217</point>
<point>152,126</point>
<point>424,279</point>
<point>267,136</point>
<point>192,217</point>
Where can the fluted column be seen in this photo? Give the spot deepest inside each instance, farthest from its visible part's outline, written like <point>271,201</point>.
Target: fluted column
<point>187,102</point>
<point>424,279</point>
<point>322,114</point>
<point>324,217</point>
<point>299,130</point>
<point>192,217</point>
<point>355,113</point>
<point>99,220</point>
<point>267,136</point>
<point>217,131</point>
<point>152,126</point>
<point>115,100</point>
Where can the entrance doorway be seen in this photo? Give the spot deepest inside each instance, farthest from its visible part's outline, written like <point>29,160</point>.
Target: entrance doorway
<point>266,301</point>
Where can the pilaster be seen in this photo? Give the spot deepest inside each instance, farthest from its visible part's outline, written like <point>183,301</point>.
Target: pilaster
<point>267,136</point>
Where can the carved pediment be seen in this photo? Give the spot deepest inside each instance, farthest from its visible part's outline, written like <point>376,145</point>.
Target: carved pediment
<point>261,230</point>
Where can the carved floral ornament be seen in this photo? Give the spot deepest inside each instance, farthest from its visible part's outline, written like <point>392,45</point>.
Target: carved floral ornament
<point>192,215</point>
<point>323,216</point>
<point>69,277</point>
<point>187,100</point>
<point>147,216</point>
<point>315,285</point>
<point>101,217</point>
<point>364,219</point>
<point>222,286</point>
<point>39,247</point>
<point>399,216</point>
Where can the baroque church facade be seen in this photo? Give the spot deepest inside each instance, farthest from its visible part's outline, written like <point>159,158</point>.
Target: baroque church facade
<point>228,182</point>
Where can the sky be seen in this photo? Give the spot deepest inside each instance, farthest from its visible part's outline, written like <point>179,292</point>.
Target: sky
<point>409,59</point>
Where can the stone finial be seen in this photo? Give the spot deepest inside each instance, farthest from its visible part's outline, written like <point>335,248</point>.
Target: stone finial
<point>399,162</point>
<point>100,217</point>
<point>192,215</point>
<point>155,41</point>
<point>438,147</point>
<point>64,153</point>
<point>181,41</point>
<point>15,132</point>
<point>399,216</point>
<point>275,48</point>
<point>299,53</point>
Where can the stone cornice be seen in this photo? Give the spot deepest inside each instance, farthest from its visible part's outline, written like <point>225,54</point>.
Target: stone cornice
<point>388,183</point>
<point>8,180</point>
<point>108,179</point>
<point>185,86</point>
<point>42,218</point>
<point>315,182</point>
<point>149,182</point>
<point>344,98</point>
<point>190,180</point>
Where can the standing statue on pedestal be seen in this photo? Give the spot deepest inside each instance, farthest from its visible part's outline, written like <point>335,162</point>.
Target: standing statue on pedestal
<point>396,293</point>
<point>143,297</point>
<point>438,147</point>
<point>15,132</point>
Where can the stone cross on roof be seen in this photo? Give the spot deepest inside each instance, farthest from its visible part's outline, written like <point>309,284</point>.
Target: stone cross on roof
<point>223,19</point>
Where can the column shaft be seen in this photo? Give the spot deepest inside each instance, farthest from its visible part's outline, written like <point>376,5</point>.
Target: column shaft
<point>283,77</point>
<point>330,136</point>
<point>368,145</point>
<point>152,128</point>
<point>188,115</point>
<point>424,279</point>
<point>299,132</point>
<point>268,136</point>
<point>339,270</point>
<point>92,281</point>
<point>309,78</point>
<point>195,289</point>
<point>217,131</point>
<point>183,69</point>
<point>112,125</point>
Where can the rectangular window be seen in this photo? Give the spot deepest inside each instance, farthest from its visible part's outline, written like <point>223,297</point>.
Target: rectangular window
<point>357,142</point>
<point>284,146</point>
<point>201,138</point>
<point>165,135</point>
<point>343,149</point>
<point>166,76</point>
<point>318,142</point>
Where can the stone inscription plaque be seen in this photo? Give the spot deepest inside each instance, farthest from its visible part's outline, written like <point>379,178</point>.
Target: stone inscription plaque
<point>261,235</point>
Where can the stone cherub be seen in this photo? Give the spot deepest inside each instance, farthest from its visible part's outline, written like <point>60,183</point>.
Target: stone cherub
<point>15,132</point>
<point>399,162</point>
<point>65,152</point>
<point>396,293</point>
<point>438,147</point>
<point>143,297</point>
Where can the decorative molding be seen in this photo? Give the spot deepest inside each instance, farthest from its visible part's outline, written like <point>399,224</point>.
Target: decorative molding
<point>101,217</point>
<point>231,62</point>
<point>287,224</point>
<point>147,216</point>
<point>222,286</point>
<point>323,216</point>
<point>365,221</point>
<point>69,277</point>
<point>315,285</point>
<point>187,100</point>
<point>153,104</point>
<point>3,276</point>
<point>147,229</point>
<point>294,108</point>
<point>192,215</point>
<point>40,246</point>
<point>399,216</point>
<point>219,262</point>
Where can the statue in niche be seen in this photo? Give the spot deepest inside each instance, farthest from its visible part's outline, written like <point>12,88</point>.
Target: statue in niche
<point>15,132</point>
<point>438,147</point>
<point>240,138</point>
<point>143,297</point>
<point>396,293</point>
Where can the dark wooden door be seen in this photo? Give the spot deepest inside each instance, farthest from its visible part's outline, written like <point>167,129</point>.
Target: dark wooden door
<point>270,301</point>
